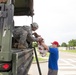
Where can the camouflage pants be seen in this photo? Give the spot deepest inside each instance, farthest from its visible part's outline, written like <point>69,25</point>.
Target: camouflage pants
<point>21,35</point>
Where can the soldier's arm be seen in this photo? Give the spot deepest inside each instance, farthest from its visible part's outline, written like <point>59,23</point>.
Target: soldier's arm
<point>32,38</point>
<point>29,36</point>
<point>36,35</point>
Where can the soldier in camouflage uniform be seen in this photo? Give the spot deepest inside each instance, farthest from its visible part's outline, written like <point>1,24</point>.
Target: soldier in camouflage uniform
<point>25,33</point>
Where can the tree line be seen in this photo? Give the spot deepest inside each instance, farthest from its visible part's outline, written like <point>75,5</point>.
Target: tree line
<point>71,44</point>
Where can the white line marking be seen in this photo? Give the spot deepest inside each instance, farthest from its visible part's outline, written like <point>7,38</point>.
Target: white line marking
<point>67,62</point>
<point>72,60</point>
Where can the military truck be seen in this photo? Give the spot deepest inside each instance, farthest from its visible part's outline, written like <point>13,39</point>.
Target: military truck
<point>13,61</point>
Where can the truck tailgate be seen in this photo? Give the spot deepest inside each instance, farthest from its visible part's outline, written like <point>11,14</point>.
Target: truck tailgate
<point>21,61</point>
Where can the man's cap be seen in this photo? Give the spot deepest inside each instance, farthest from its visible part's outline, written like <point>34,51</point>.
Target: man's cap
<point>34,24</point>
<point>55,42</point>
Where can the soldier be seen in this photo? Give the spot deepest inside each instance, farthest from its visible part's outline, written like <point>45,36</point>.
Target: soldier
<point>24,34</point>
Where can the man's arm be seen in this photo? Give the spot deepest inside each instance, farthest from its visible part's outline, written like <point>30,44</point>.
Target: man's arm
<point>30,36</point>
<point>45,46</point>
<point>51,50</point>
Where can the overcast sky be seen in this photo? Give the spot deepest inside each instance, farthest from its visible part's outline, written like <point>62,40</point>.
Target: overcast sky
<point>56,19</point>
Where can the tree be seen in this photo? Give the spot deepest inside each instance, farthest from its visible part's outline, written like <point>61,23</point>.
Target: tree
<point>63,44</point>
<point>72,43</point>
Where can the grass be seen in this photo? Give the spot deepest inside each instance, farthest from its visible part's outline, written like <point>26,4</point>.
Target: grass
<point>71,51</point>
<point>40,59</point>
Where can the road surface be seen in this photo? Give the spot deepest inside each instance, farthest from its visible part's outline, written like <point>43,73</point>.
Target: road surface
<point>67,65</point>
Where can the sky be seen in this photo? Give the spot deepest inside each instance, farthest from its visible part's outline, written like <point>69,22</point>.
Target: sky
<point>56,20</point>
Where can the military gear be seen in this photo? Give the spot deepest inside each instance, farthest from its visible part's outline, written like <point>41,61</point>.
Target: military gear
<point>35,25</point>
<point>30,37</point>
<point>24,33</point>
<point>15,45</point>
<point>20,34</point>
<point>20,46</point>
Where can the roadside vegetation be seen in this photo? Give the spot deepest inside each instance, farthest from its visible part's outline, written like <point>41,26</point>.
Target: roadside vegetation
<point>70,51</point>
<point>69,47</point>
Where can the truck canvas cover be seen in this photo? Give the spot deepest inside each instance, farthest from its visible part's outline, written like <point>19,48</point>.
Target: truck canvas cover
<point>23,7</point>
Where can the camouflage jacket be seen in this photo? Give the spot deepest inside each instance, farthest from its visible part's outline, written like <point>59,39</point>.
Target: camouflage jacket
<point>29,35</point>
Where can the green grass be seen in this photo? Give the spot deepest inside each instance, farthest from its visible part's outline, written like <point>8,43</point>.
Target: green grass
<point>40,59</point>
<point>71,51</point>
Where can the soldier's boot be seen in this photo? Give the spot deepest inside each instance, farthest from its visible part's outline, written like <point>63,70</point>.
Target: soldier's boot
<point>3,1</point>
<point>26,44</point>
<point>21,46</point>
<point>15,45</point>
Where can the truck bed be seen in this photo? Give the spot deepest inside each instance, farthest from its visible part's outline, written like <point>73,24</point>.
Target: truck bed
<point>22,60</point>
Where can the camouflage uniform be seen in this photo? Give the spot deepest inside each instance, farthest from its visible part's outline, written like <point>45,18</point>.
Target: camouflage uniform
<point>24,33</point>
